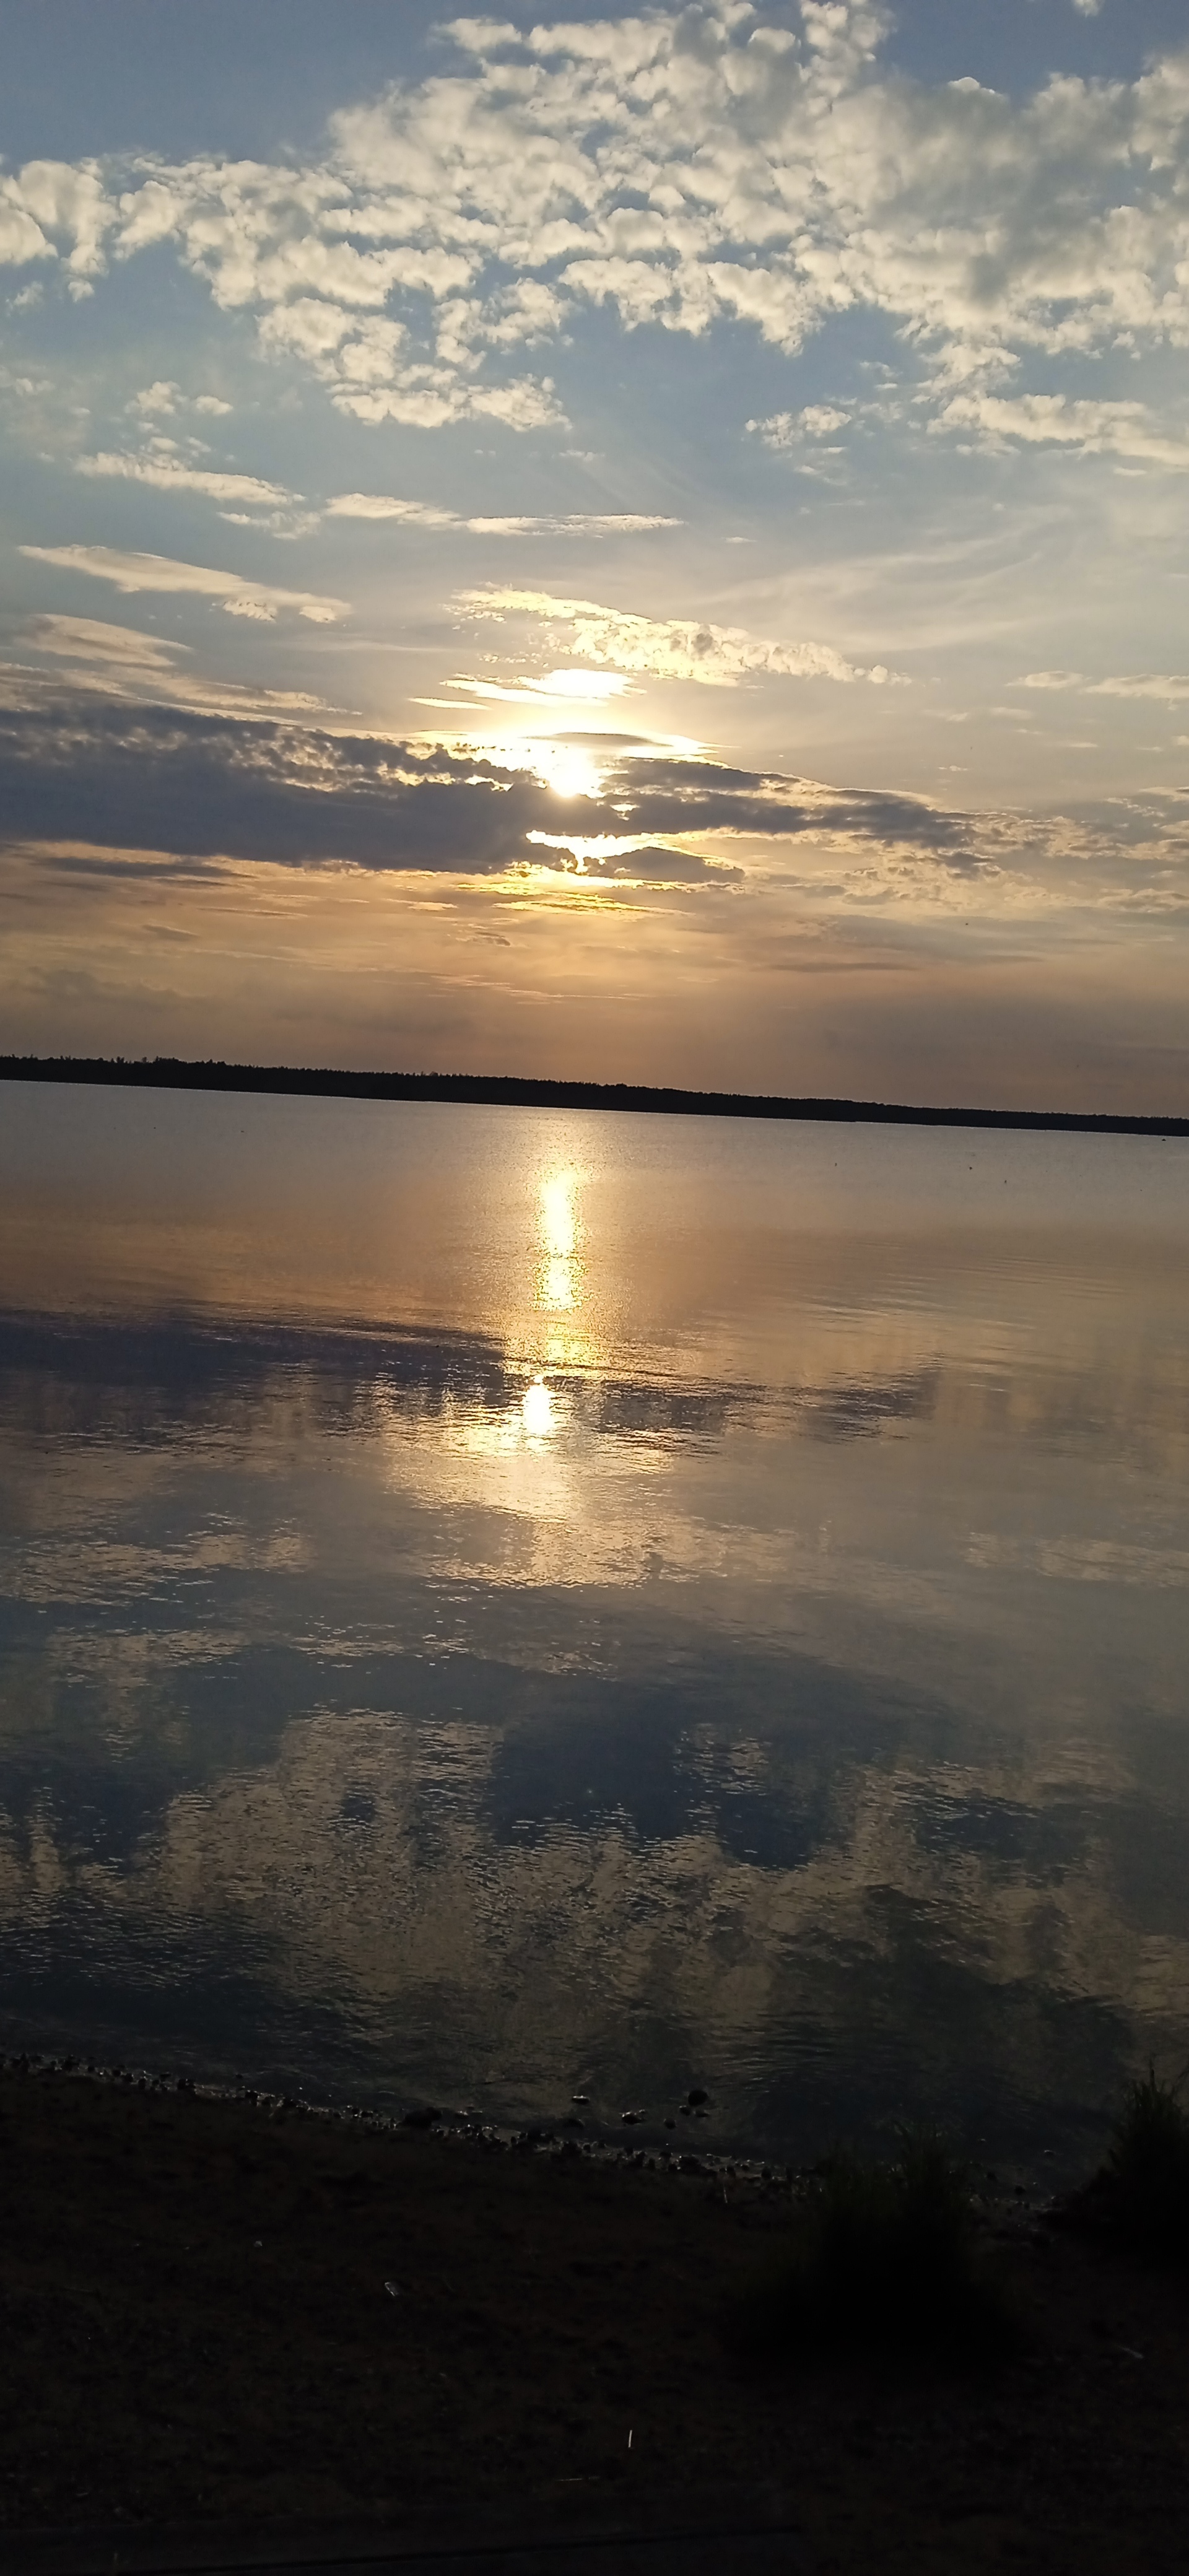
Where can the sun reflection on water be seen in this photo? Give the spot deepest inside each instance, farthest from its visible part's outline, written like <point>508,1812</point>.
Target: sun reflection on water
<point>559,1265</point>
<point>537,1411</point>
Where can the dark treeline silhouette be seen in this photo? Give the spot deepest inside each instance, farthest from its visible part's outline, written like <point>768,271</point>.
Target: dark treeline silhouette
<point>317,1082</point>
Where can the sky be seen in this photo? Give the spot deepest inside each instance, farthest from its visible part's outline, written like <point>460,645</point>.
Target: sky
<point>645,547</point>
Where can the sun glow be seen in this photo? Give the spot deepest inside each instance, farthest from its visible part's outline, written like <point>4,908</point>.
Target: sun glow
<point>573,773</point>
<point>567,767</point>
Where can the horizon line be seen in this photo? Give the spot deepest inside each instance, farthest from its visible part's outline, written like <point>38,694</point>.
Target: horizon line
<point>179,1073</point>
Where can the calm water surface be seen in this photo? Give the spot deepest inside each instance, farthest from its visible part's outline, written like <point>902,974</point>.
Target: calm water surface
<point>500,1603</point>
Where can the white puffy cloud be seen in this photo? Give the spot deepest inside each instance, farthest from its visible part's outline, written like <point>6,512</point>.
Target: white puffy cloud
<point>164,398</point>
<point>784,430</point>
<point>156,401</point>
<point>683,166</point>
<point>373,373</point>
<point>131,572</point>
<point>20,238</point>
<point>70,199</point>
<point>667,649</point>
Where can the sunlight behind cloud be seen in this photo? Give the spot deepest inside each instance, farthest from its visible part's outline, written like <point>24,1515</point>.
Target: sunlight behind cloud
<point>581,684</point>
<point>570,771</point>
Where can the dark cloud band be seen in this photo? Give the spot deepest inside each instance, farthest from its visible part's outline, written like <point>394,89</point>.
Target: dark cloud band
<point>203,787</point>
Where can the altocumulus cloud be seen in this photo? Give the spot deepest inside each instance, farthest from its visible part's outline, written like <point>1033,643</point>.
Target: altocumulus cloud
<point>667,649</point>
<point>681,166</point>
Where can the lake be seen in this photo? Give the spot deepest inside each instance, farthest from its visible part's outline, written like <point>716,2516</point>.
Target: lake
<point>501,1603</point>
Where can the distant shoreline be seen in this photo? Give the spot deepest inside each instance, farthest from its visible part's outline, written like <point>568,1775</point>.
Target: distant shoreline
<point>507,1091</point>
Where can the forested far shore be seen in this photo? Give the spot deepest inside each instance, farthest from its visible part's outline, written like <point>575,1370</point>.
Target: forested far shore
<point>326,1082</point>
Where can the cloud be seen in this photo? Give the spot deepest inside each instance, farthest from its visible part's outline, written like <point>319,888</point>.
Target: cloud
<point>169,472</point>
<point>121,661</point>
<point>1168,686</point>
<point>112,769</point>
<point>156,401</point>
<point>232,590</point>
<point>384,505</point>
<point>162,399</point>
<point>211,782</point>
<point>672,649</point>
<point>593,687</point>
<point>122,649</point>
<point>637,865</point>
<point>214,786</point>
<point>1171,687</point>
<point>1044,420</point>
<point>788,429</point>
<point>48,197</point>
<point>426,514</point>
<point>20,238</point>
<point>684,166</point>
<point>373,373</point>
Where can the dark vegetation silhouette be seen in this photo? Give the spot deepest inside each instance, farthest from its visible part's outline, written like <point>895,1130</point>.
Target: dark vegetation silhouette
<point>1140,2196</point>
<point>315,1082</point>
<point>884,2255</point>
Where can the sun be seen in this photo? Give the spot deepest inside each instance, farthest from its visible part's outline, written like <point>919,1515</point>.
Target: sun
<point>565,766</point>
<point>573,773</point>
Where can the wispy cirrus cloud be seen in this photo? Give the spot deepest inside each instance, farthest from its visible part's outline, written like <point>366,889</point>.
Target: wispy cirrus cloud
<point>546,689</point>
<point>664,648</point>
<point>1169,687</point>
<point>165,469</point>
<point>232,591</point>
<point>88,654</point>
<point>427,514</point>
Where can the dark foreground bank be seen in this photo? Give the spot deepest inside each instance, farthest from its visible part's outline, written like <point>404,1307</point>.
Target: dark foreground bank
<point>173,1073</point>
<point>243,2313</point>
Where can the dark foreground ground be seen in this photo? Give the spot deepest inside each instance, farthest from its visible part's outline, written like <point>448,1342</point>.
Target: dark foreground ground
<point>196,2327</point>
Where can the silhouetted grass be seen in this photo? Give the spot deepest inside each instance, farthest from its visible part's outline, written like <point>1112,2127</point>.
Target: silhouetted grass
<point>1144,2186</point>
<point>880,2255</point>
